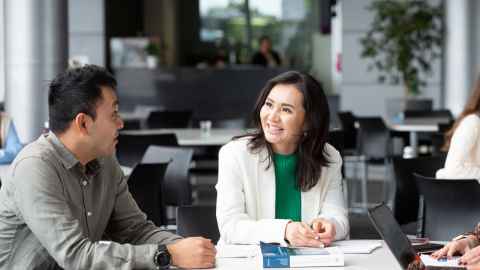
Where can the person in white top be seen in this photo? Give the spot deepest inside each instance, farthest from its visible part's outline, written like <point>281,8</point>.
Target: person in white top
<point>299,202</point>
<point>463,142</point>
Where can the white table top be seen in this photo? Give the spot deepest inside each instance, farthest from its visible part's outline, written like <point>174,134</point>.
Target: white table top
<point>193,136</point>
<point>413,125</point>
<point>380,259</point>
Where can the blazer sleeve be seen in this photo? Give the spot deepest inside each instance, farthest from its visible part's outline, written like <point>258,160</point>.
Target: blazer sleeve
<point>236,226</point>
<point>334,206</point>
<point>462,148</point>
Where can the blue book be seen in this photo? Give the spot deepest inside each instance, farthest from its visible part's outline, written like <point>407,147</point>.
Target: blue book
<point>276,256</point>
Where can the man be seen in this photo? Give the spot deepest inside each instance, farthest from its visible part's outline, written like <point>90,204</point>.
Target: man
<point>65,194</point>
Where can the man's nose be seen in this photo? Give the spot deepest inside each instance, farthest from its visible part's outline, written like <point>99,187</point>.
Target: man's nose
<point>120,123</point>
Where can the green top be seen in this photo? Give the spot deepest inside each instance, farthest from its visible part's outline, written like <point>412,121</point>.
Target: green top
<point>288,201</point>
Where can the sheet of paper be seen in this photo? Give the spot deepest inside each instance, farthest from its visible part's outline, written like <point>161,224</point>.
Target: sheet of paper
<point>429,261</point>
<point>357,246</point>
<point>237,251</point>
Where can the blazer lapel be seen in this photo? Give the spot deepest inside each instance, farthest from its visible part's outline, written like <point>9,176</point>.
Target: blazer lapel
<point>312,200</point>
<point>266,187</point>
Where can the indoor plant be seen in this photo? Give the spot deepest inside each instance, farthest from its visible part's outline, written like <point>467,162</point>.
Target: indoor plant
<point>404,38</point>
<point>153,52</point>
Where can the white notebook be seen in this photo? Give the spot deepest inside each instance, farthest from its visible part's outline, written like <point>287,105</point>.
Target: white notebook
<point>357,246</point>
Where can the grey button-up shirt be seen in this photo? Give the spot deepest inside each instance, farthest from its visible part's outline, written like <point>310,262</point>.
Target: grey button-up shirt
<point>54,211</point>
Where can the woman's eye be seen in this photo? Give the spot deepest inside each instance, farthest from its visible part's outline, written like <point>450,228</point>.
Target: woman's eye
<point>287,110</point>
<point>268,104</point>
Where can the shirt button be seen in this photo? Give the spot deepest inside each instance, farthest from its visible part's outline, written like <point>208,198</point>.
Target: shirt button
<point>84,183</point>
<point>89,213</point>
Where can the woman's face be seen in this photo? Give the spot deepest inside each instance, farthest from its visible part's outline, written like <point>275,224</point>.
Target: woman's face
<point>282,117</point>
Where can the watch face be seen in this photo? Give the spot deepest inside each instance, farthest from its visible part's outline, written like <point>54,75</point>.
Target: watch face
<point>163,259</point>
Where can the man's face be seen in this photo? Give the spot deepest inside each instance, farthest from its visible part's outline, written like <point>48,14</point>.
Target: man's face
<point>104,129</point>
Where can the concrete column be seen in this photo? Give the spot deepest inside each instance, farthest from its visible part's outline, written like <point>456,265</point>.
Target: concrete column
<point>36,49</point>
<point>458,75</point>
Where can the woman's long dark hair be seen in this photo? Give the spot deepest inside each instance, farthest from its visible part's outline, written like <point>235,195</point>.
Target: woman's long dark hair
<point>473,106</point>
<point>311,148</point>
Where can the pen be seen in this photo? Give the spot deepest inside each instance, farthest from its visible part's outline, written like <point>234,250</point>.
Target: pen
<point>322,245</point>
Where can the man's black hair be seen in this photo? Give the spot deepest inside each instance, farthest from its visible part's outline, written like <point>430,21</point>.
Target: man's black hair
<point>76,91</point>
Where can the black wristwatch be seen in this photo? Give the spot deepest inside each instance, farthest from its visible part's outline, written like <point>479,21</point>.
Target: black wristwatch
<point>162,258</point>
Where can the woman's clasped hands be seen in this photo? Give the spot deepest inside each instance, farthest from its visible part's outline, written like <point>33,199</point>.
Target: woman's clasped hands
<point>319,233</point>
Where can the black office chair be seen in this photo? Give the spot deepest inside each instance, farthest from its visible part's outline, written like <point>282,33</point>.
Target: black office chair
<point>198,221</point>
<point>373,147</point>
<point>336,139</point>
<point>131,124</point>
<point>176,185</point>
<point>347,120</point>
<point>132,147</point>
<point>413,104</point>
<point>169,119</point>
<point>442,116</point>
<point>145,185</point>
<point>231,123</point>
<point>450,206</point>
<point>406,198</point>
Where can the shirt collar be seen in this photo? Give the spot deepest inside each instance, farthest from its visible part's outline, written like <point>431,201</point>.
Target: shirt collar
<point>68,159</point>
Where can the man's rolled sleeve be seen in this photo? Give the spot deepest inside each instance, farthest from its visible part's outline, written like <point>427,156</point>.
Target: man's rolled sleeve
<point>42,203</point>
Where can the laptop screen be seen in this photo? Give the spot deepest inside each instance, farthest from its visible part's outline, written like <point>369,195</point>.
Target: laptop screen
<point>392,234</point>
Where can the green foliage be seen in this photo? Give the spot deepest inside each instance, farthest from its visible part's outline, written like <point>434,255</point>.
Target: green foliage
<point>404,38</point>
<point>152,48</point>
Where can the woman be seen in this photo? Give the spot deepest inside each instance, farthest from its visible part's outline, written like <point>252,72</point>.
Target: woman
<point>266,56</point>
<point>467,245</point>
<point>9,141</point>
<point>463,142</point>
<point>282,183</point>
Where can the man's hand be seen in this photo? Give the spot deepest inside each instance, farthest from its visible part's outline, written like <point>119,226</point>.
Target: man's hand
<point>325,230</point>
<point>193,252</point>
<point>300,234</point>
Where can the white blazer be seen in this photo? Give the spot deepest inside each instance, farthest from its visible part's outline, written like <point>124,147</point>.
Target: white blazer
<point>463,158</point>
<point>246,197</point>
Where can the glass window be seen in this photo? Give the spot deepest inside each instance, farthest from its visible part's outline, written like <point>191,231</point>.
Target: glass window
<point>289,24</point>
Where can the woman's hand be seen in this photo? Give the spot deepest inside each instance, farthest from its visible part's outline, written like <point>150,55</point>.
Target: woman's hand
<point>471,257</point>
<point>473,267</point>
<point>459,246</point>
<point>324,229</point>
<point>300,234</point>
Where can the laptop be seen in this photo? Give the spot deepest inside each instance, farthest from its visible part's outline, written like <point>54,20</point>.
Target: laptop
<point>390,231</point>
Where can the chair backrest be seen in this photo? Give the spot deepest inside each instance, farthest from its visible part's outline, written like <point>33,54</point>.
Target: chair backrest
<point>131,124</point>
<point>145,185</point>
<point>451,206</point>
<point>176,185</point>
<point>131,148</point>
<point>444,116</point>
<point>373,138</point>
<point>198,220</point>
<point>413,104</point>
<point>347,120</point>
<point>405,207</point>
<point>169,119</point>
<point>336,139</point>
<point>230,123</point>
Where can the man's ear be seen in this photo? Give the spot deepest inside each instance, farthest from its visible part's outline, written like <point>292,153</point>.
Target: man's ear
<point>82,123</point>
